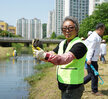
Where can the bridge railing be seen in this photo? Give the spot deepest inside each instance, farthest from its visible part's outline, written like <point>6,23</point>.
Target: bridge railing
<point>23,40</point>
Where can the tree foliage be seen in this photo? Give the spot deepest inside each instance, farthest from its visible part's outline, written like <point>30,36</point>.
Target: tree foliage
<point>60,37</point>
<point>4,33</point>
<point>99,15</point>
<point>53,35</point>
<point>105,38</point>
<point>44,29</point>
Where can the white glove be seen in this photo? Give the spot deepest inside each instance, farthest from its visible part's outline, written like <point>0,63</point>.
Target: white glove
<point>40,54</point>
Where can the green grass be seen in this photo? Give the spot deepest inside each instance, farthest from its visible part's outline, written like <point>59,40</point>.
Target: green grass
<point>38,75</point>
<point>43,66</point>
<point>5,52</point>
<point>34,78</point>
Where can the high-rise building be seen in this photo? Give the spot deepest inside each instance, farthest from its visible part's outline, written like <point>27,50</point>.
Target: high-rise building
<point>76,8</point>
<point>38,29</point>
<point>59,14</point>
<point>29,28</point>
<point>93,4</point>
<point>51,23</point>
<point>22,27</point>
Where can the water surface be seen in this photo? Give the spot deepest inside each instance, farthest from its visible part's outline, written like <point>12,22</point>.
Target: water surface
<point>12,74</point>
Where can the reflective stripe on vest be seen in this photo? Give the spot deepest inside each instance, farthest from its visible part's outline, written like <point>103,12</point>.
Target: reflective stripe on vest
<point>73,72</point>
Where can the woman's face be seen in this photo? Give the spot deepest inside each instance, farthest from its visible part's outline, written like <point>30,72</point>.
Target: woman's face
<point>68,30</point>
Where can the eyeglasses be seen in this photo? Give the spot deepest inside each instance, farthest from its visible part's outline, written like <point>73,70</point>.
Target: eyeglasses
<point>70,29</point>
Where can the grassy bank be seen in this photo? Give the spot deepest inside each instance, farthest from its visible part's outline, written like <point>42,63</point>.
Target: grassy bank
<point>22,49</point>
<point>44,84</point>
<point>45,87</point>
<point>5,52</point>
<point>41,68</point>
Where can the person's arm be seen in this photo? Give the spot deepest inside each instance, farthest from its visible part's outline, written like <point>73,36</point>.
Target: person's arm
<point>41,54</point>
<point>91,50</point>
<point>60,59</point>
<point>77,51</point>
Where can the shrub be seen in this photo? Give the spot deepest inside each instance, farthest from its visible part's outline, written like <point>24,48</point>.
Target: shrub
<point>105,38</point>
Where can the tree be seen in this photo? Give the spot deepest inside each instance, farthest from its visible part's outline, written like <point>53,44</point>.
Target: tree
<point>53,35</point>
<point>105,38</point>
<point>61,37</point>
<point>44,26</point>
<point>99,15</point>
<point>0,30</point>
<point>4,33</point>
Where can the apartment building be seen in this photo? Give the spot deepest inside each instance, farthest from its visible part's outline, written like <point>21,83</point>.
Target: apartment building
<point>59,14</point>
<point>6,27</point>
<point>3,25</point>
<point>22,27</point>
<point>93,4</point>
<point>12,29</point>
<point>29,29</point>
<point>75,8</point>
<point>38,29</point>
<point>51,23</point>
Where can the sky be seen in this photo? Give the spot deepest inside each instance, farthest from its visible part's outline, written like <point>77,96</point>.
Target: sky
<point>12,10</point>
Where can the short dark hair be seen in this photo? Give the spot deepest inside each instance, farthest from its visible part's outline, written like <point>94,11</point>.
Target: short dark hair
<point>100,25</point>
<point>73,19</point>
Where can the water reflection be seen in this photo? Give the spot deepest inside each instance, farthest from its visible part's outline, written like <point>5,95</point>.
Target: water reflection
<point>12,74</point>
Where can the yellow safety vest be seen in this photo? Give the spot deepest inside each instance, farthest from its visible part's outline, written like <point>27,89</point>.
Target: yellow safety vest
<point>73,72</point>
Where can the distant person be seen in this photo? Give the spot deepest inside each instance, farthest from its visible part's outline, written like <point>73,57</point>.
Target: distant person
<point>69,56</point>
<point>14,53</point>
<point>93,44</point>
<point>103,51</point>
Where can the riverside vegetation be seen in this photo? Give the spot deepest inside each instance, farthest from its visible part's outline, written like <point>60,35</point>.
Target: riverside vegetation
<point>44,83</point>
<point>6,52</point>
